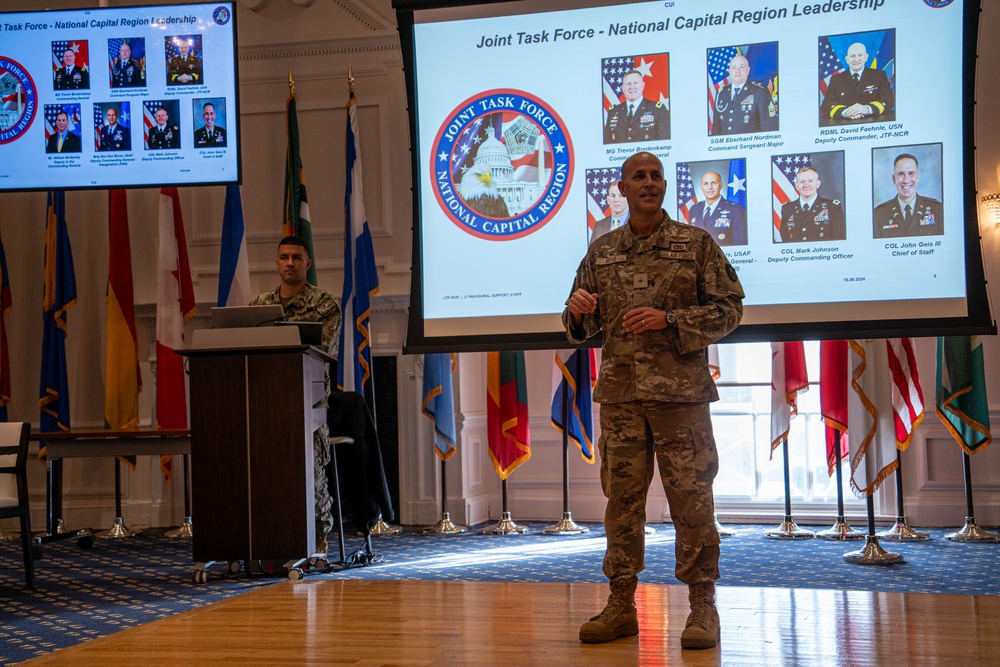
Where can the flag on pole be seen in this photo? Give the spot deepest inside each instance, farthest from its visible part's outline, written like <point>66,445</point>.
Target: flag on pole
<point>439,402</point>
<point>907,397</point>
<point>869,406</point>
<point>123,381</point>
<point>788,379</point>
<point>961,391</point>
<point>507,427</point>
<point>354,361</point>
<point>174,306</point>
<point>833,381</point>
<point>234,268</point>
<point>6,305</point>
<point>573,379</point>
<point>59,295</point>
<point>296,215</point>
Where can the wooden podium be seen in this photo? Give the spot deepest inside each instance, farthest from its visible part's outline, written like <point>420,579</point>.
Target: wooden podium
<point>252,423</point>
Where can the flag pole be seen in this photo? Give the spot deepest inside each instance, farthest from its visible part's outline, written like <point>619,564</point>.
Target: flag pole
<point>506,525</point>
<point>444,526</point>
<point>788,530</point>
<point>872,553</point>
<point>970,531</point>
<point>566,525</point>
<point>841,530</point>
<point>900,531</point>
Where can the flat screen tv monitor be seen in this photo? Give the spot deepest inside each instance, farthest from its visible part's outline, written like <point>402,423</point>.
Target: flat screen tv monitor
<point>119,97</point>
<point>520,122</point>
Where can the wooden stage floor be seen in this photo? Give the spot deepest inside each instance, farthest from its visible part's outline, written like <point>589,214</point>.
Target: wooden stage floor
<point>435,623</point>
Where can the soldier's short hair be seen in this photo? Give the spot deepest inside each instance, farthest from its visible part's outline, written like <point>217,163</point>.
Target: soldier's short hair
<point>806,168</point>
<point>905,156</point>
<point>295,240</point>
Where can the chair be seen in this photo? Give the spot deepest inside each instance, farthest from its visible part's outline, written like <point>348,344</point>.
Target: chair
<point>14,487</point>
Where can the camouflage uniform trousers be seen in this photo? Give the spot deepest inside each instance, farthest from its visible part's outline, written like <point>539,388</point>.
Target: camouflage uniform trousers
<point>324,502</point>
<point>679,437</point>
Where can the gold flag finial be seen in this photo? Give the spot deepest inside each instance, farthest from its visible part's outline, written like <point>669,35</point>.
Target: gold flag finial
<point>350,79</point>
<point>291,82</point>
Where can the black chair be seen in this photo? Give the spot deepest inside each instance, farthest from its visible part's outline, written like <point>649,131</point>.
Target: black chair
<point>14,487</point>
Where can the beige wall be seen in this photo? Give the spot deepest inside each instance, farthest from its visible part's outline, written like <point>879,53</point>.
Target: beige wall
<point>319,39</point>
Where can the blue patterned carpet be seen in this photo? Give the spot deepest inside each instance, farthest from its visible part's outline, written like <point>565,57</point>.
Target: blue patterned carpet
<point>84,594</point>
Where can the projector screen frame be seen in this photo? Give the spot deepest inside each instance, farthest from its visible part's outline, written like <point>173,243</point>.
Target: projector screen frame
<point>978,321</point>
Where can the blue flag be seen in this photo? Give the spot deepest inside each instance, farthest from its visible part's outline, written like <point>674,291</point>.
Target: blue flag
<point>354,361</point>
<point>439,402</point>
<point>234,268</point>
<point>573,382</point>
<point>59,296</point>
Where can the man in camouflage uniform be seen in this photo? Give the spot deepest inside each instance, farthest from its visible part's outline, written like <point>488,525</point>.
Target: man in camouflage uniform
<point>304,303</point>
<point>661,292</point>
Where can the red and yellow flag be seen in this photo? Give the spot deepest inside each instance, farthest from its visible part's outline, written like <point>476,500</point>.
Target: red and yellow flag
<point>122,379</point>
<point>507,411</point>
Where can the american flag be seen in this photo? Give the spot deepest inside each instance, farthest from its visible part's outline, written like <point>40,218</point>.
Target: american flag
<point>686,194</point>
<point>53,110</point>
<point>783,169</point>
<point>99,120</point>
<point>79,47</point>
<point>10,102</point>
<point>655,70</point>
<point>474,134</point>
<point>598,181</point>
<point>718,75</point>
<point>829,64</point>
<point>138,46</point>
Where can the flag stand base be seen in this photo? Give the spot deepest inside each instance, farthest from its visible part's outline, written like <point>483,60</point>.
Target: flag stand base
<point>444,526</point>
<point>382,528</point>
<point>566,526</point>
<point>723,531</point>
<point>972,533</point>
<point>872,554</point>
<point>505,527</point>
<point>8,537</point>
<point>789,530</point>
<point>901,532</point>
<point>186,529</point>
<point>118,530</point>
<point>841,530</point>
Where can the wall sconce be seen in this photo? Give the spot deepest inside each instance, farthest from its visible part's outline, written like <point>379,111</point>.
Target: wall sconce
<point>991,208</point>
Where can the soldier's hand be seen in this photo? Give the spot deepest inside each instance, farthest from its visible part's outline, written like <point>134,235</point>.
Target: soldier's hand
<point>644,319</point>
<point>582,302</point>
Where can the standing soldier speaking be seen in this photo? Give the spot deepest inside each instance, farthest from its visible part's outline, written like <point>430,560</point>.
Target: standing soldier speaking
<point>661,292</point>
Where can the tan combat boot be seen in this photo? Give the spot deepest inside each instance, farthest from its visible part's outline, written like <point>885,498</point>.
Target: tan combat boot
<point>702,628</point>
<point>619,617</point>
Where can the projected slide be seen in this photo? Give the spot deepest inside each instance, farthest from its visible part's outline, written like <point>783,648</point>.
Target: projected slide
<point>129,96</point>
<point>820,143</point>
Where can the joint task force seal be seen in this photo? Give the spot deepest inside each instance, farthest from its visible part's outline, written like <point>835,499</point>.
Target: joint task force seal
<point>502,164</point>
<point>19,104</point>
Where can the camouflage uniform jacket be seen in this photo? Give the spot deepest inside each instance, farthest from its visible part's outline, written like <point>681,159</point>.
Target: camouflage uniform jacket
<point>678,268</point>
<point>310,305</point>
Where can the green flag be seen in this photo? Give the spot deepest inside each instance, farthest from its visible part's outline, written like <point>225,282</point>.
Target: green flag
<point>296,212</point>
<point>961,391</point>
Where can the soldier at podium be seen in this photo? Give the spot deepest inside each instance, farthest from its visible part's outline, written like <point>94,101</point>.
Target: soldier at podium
<point>303,302</point>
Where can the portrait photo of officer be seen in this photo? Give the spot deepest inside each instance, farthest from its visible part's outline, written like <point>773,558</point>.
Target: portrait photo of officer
<point>915,207</point>
<point>741,90</point>
<point>210,121</point>
<point>65,137</point>
<point>184,60</point>
<point>113,133</point>
<point>725,220</point>
<point>128,62</point>
<point>73,72</point>
<point>636,118</point>
<point>162,130</point>
<point>816,211</point>
<point>854,86</point>
<point>617,207</point>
